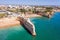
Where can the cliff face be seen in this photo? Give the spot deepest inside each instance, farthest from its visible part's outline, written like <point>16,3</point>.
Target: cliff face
<point>28,25</point>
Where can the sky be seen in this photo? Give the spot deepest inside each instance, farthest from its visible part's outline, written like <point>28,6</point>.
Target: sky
<point>31,2</point>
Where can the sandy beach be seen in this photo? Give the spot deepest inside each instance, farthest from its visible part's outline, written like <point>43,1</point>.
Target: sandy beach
<point>31,15</point>
<point>8,22</point>
<point>12,21</point>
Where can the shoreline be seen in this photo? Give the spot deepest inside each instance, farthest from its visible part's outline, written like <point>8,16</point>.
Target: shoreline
<point>13,21</point>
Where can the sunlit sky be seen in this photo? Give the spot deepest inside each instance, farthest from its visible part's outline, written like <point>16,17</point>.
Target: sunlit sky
<point>31,2</point>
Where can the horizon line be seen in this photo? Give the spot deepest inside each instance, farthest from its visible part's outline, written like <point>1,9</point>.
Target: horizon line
<point>30,5</point>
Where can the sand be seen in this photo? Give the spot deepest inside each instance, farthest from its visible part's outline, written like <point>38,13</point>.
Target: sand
<point>11,21</point>
<point>8,22</point>
<point>32,15</point>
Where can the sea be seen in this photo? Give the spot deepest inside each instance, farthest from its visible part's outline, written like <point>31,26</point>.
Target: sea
<point>46,29</point>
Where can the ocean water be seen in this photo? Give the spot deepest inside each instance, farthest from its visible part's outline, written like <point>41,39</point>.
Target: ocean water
<point>46,29</point>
